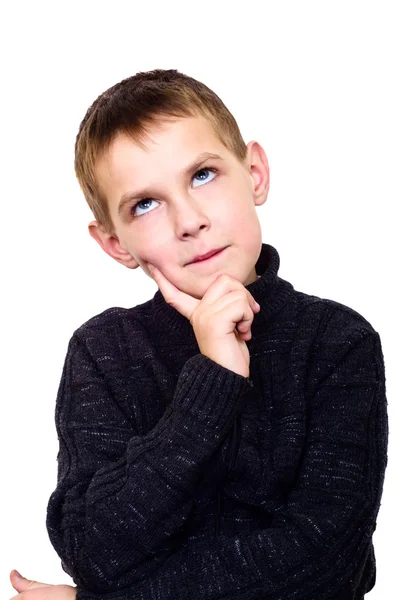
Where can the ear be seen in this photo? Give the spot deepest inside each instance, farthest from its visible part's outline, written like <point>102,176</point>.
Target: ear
<point>111,245</point>
<point>257,164</point>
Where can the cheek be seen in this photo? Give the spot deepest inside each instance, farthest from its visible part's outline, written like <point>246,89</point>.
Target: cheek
<point>235,216</point>
<point>163,258</point>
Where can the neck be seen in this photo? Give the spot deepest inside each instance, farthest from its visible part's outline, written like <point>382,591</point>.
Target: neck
<point>269,290</point>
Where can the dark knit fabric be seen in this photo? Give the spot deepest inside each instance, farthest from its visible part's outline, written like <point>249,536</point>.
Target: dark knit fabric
<point>179,479</point>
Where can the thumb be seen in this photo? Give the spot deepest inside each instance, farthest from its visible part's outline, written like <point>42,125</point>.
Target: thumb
<point>21,584</point>
<point>182,302</point>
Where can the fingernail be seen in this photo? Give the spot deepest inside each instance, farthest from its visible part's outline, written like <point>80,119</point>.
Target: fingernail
<point>151,268</point>
<point>258,305</point>
<point>17,574</point>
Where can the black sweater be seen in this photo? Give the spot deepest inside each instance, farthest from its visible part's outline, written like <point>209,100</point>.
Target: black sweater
<point>179,479</point>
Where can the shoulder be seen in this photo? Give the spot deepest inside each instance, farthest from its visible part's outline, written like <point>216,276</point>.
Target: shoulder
<point>328,334</point>
<point>330,315</point>
<point>107,319</point>
<point>115,327</point>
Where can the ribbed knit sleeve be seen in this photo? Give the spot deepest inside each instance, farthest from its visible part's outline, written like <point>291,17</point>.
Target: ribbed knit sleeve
<point>316,545</point>
<point>119,496</point>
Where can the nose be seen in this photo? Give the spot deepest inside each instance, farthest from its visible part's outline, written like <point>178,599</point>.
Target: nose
<point>189,218</point>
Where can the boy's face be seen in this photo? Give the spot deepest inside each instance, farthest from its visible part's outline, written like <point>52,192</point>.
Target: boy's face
<point>183,214</point>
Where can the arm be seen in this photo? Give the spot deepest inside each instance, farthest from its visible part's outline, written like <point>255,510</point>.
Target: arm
<point>120,497</point>
<point>317,545</point>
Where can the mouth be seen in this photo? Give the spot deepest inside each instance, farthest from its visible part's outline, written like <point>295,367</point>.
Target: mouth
<point>208,258</point>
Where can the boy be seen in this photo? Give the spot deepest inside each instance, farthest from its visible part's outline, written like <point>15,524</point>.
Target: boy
<point>187,470</point>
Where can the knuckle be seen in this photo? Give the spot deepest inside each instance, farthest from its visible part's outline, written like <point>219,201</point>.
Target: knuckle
<point>240,295</point>
<point>245,299</point>
<point>249,315</point>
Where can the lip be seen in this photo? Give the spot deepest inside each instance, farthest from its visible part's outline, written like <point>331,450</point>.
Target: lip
<point>206,257</point>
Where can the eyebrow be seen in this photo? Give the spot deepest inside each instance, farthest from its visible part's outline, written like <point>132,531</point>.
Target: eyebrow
<point>201,158</point>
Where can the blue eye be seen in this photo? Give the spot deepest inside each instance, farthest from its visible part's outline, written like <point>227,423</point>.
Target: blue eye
<point>147,200</point>
<point>203,171</point>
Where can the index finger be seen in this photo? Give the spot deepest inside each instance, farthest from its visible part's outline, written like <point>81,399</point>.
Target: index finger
<point>182,302</point>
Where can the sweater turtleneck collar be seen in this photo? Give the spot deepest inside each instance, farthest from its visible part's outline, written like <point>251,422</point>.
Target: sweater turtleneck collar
<point>269,290</point>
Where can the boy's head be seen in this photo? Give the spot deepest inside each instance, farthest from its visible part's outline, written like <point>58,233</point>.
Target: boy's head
<point>136,144</point>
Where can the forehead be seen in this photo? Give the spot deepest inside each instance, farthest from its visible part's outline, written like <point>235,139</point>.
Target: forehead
<point>166,142</point>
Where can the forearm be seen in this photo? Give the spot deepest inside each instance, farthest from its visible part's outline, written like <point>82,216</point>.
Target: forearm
<point>113,527</point>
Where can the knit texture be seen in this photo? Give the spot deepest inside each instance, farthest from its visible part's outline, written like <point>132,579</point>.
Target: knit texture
<point>179,479</point>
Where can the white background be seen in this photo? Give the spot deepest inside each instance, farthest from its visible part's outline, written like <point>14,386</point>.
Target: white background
<point>316,83</point>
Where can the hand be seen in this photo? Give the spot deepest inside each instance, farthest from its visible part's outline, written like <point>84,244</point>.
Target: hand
<point>34,590</point>
<point>225,305</point>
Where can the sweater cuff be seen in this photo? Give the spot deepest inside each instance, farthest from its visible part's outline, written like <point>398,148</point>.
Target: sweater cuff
<point>211,393</point>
